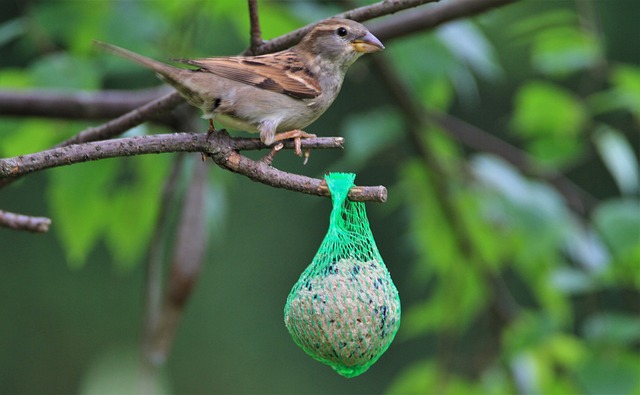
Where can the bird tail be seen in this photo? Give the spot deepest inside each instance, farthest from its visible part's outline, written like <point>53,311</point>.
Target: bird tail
<point>168,73</point>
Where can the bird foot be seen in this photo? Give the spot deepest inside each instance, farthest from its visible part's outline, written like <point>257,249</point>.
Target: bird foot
<point>297,135</point>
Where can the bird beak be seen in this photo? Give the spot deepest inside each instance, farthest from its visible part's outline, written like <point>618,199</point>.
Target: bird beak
<point>367,44</point>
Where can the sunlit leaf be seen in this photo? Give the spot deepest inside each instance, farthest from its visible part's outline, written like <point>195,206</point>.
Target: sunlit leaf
<point>424,377</point>
<point>623,95</point>
<point>15,78</point>
<point>470,46</point>
<point>418,378</point>
<point>618,156</point>
<point>573,281</point>
<point>550,118</point>
<point>626,79</point>
<point>20,137</point>
<point>587,248</point>
<point>544,109</point>
<point>526,28</point>
<point>564,50</point>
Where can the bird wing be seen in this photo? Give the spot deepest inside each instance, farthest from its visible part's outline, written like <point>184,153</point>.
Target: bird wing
<point>283,72</point>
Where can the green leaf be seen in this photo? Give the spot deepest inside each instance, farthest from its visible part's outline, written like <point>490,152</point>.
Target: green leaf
<point>564,50</point>
<point>470,46</point>
<point>585,247</point>
<point>619,224</point>
<point>429,70</point>
<point>419,378</point>
<point>551,119</point>
<point>573,281</point>
<point>437,249</point>
<point>11,29</point>
<point>545,109</point>
<point>457,298</point>
<point>80,207</point>
<point>528,26</point>
<point>618,156</point>
<point>369,133</point>
<point>424,377</point>
<point>623,95</point>
<point>133,208</point>
<point>543,206</point>
<point>618,329</point>
<point>20,137</point>
<point>555,150</point>
<point>15,78</point>
<point>626,80</point>
<point>610,374</point>
<point>528,332</point>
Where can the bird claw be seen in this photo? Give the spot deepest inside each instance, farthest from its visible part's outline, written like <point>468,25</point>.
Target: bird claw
<point>212,129</point>
<point>297,136</point>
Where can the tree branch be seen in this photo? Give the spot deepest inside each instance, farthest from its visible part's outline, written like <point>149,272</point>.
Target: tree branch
<point>430,17</point>
<point>76,105</point>
<point>220,146</point>
<point>24,222</point>
<point>358,14</point>
<point>154,274</point>
<point>127,121</point>
<point>115,127</point>
<point>255,33</point>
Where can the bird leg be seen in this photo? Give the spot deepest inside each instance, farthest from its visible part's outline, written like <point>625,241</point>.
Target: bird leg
<point>297,135</point>
<point>212,129</point>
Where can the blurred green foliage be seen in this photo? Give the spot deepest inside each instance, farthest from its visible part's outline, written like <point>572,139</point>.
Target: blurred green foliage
<point>508,285</point>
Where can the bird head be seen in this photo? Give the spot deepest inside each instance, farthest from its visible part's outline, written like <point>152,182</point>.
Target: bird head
<point>340,41</point>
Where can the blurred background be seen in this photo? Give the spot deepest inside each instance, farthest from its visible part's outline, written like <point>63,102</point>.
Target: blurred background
<point>509,146</point>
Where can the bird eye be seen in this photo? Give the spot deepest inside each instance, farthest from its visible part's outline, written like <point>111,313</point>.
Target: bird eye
<point>341,31</point>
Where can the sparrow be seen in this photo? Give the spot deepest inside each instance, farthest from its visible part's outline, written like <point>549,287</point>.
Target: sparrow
<point>276,95</point>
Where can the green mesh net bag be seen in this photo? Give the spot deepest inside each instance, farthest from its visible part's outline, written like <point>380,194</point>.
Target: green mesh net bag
<point>344,310</point>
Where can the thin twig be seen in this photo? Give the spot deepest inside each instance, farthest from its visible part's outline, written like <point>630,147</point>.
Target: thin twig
<point>255,32</point>
<point>24,222</point>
